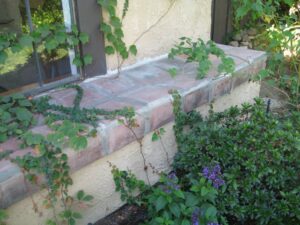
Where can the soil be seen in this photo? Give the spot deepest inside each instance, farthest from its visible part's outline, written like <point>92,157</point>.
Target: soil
<point>127,215</point>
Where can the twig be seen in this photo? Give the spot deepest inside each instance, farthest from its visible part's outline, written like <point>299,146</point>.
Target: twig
<point>147,30</point>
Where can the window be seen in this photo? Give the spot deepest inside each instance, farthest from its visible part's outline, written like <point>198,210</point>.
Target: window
<point>34,67</point>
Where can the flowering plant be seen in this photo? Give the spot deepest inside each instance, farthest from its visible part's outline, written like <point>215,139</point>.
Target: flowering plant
<point>171,202</point>
<point>259,153</point>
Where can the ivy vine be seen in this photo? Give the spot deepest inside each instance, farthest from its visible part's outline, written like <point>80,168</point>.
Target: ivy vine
<point>199,51</point>
<point>113,30</point>
<point>69,128</point>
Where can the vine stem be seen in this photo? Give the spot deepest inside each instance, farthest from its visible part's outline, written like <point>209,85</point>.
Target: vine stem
<point>165,150</point>
<point>139,140</point>
<point>120,64</point>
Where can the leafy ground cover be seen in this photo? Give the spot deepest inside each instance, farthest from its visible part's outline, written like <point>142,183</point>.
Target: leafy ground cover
<point>240,166</point>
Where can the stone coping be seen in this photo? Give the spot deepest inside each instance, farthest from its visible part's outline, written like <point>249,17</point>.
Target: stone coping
<point>146,89</point>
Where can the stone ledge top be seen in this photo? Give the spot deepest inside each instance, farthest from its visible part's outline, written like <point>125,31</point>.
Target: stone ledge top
<point>145,88</point>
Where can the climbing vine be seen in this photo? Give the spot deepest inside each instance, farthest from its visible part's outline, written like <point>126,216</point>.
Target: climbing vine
<point>199,52</point>
<point>113,30</point>
<point>69,128</point>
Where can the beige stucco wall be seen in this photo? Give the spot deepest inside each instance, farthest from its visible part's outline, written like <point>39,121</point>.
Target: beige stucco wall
<point>96,178</point>
<point>191,18</point>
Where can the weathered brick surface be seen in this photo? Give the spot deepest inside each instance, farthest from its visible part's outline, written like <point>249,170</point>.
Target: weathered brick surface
<point>161,114</point>
<point>118,135</point>
<point>148,94</point>
<point>196,98</point>
<point>221,86</point>
<point>79,159</point>
<point>146,89</point>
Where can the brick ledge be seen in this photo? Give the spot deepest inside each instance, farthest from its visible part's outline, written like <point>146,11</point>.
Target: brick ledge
<point>146,89</point>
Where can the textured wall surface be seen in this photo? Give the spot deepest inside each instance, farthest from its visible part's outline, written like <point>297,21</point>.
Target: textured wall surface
<point>191,18</point>
<point>96,178</point>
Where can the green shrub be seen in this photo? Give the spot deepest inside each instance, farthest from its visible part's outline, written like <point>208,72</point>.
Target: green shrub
<point>170,202</point>
<point>260,156</point>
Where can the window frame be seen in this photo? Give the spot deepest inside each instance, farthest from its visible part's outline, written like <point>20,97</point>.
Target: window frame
<point>86,22</point>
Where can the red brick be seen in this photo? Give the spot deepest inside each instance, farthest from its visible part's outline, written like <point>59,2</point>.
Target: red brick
<point>120,136</point>
<point>79,159</point>
<point>161,115</point>
<point>221,86</point>
<point>116,86</point>
<point>148,94</point>
<point>196,98</point>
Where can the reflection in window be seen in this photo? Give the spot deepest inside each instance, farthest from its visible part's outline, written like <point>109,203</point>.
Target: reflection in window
<point>19,71</point>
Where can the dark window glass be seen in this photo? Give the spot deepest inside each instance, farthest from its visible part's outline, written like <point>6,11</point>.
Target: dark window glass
<point>28,69</point>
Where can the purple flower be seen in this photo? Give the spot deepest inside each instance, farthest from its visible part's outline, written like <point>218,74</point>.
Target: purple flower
<point>172,176</point>
<point>171,183</point>
<point>214,175</point>
<point>212,223</point>
<point>205,172</point>
<point>195,217</point>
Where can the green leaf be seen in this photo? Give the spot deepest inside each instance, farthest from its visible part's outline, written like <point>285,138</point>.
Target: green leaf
<point>75,30</point>
<point>105,28</point>
<point>173,72</point>
<point>77,61</point>
<point>191,200</point>
<point>80,195</point>
<point>179,194</point>
<point>5,117</point>
<point>155,137</point>
<point>72,221</point>
<point>3,57</point>
<point>88,198</point>
<point>26,41</point>
<point>115,22</point>
<point>16,48</point>
<point>3,137</point>
<point>133,49</point>
<point>51,44</point>
<point>25,103</point>
<point>87,59</point>
<point>204,191</point>
<point>61,37</point>
<point>185,222</point>
<point>23,114</point>
<point>17,96</point>
<point>160,203</point>
<point>74,41</point>
<point>175,209</point>
<point>78,142</point>
<point>109,50</point>
<point>84,38</point>
<point>3,129</point>
<point>32,139</point>
<point>119,33</point>
<point>211,212</point>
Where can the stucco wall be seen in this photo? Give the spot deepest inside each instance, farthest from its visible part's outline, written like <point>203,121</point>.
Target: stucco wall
<point>191,18</point>
<point>96,178</point>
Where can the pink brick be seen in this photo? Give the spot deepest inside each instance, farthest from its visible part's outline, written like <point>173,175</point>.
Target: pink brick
<point>117,104</point>
<point>221,86</point>
<point>10,144</point>
<point>196,99</point>
<point>120,136</point>
<point>116,86</point>
<point>79,159</point>
<point>148,94</point>
<point>161,115</point>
